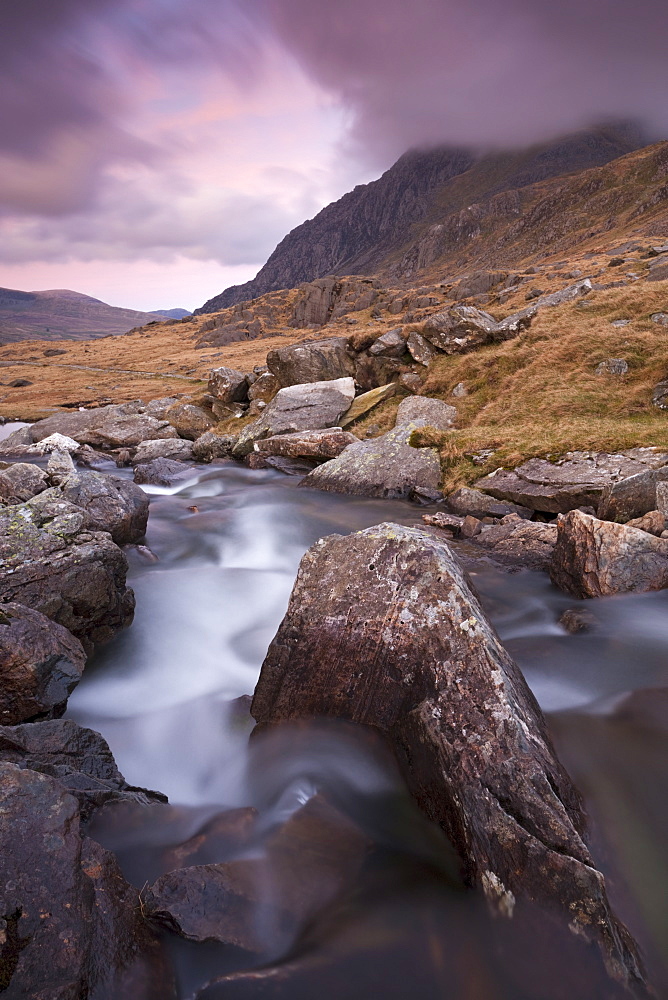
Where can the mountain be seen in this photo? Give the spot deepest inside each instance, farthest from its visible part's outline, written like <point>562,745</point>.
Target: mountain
<point>63,314</point>
<point>171,313</point>
<point>364,231</point>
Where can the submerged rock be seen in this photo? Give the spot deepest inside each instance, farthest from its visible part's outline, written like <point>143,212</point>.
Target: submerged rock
<point>594,558</point>
<point>382,629</point>
<point>40,665</point>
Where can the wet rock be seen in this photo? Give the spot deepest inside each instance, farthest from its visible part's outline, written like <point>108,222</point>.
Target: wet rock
<point>654,522</point>
<point>227,832</point>
<point>109,504</point>
<point>450,523</point>
<point>382,629</point>
<point>430,412</point>
<point>575,620</point>
<point>59,467</point>
<point>467,501</point>
<point>190,421</point>
<point>386,466</point>
<point>366,401</point>
<point>264,388</point>
<point>631,497</point>
<point>594,558</point>
<point>298,408</point>
<point>228,385</point>
<point>71,925</point>
<point>289,466</point>
<point>420,349</point>
<point>390,345</point>
<point>212,445</point>
<point>569,294</point>
<point>318,361</point>
<point>161,472</point>
<point>40,665</point>
<point>21,482</point>
<point>324,444</point>
<point>73,576</point>
<point>612,366</point>
<point>78,759</point>
<point>306,863</point>
<point>521,544</point>
<point>174,448</point>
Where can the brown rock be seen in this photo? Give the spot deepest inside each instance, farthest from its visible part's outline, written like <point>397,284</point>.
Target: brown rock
<point>318,361</point>
<point>327,443</point>
<point>576,620</point>
<point>228,385</point>
<point>631,497</point>
<point>519,543</point>
<point>382,629</point>
<point>654,522</point>
<point>594,558</point>
<point>371,372</point>
<point>470,526</point>
<point>190,421</point>
<point>264,388</point>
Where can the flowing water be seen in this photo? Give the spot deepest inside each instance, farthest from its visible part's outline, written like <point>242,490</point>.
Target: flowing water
<point>165,694</point>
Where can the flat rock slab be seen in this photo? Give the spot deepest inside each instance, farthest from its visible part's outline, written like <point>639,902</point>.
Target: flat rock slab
<point>467,501</point>
<point>386,466</point>
<point>115,426</point>
<point>383,629</point>
<point>366,401</point>
<point>432,412</point>
<point>324,444</point>
<point>521,544</point>
<point>594,558</point>
<point>40,665</point>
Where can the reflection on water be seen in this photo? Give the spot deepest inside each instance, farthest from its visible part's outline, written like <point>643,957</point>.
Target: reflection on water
<point>162,693</point>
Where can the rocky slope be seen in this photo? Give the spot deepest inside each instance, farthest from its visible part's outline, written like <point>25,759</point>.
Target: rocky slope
<point>362,232</point>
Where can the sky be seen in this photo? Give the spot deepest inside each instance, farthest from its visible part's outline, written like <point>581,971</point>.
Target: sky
<point>153,152</point>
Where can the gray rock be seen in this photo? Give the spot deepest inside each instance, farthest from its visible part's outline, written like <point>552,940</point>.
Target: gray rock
<point>478,283</point>
<point>411,381</point>
<point>460,391</point>
<point>569,294</point>
<point>467,501</point>
<point>620,322</point>
<point>161,472</point>
<point>658,272</point>
<point>594,558</point>
<point>383,630</point>
<point>391,344</point>
<point>115,426</point>
<point>175,448</point>
<point>631,497</point>
<point>660,317</point>
<point>55,442</point>
<point>73,576</point>
<point>319,361</point>
<point>158,407</point>
<point>386,466</point>
<point>59,467</point>
<point>324,444</point>
<point>366,401</point>
<point>460,329</point>
<point>212,445</point>
<point>264,388</point>
<point>228,385</point>
<point>420,349</point>
<point>16,442</point>
<point>21,482</point>
<point>612,366</point>
<point>661,497</point>
<point>431,412</point>
<point>190,421</point>
<point>660,395</point>
<point>40,664</point>
<point>109,504</point>
<point>520,544</point>
<point>312,406</point>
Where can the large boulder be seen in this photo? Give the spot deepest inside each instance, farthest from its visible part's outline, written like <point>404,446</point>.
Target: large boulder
<point>386,466</point>
<point>324,444</point>
<point>519,544</point>
<point>109,504</point>
<point>319,361</point>
<point>21,482</point>
<point>298,408</point>
<point>189,420</point>
<point>72,575</point>
<point>116,426</point>
<point>228,385</point>
<point>631,497</point>
<point>595,558</point>
<point>464,328</point>
<point>79,759</point>
<point>212,445</point>
<point>40,665</point>
<point>430,412</point>
<point>161,472</point>
<point>71,926</point>
<point>174,448</point>
<point>383,629</point>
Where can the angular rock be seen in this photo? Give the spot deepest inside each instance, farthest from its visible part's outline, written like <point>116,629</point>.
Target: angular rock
<point>631,497</point>
<point>324,444</point>
<point>114,426</point>
<point>594,558</point>
<point>522,544</point>
<point>40,665</point>
<point>228,385</point>
<point>161,472</point>
<point>386,466</point>
<point>21,482</point>
<point>289,466</point>
<point>190,421</point>
<point>575,291</point>
<point>17,442</point>
<point>175,448</point>
<point>371,372</point>
<point>467,501</point>
<point>450,523</point>
<point>73,576</point>
<point>420,349</point>
<point>390,345</point>
<point>612,366</point>
<point>59,467</point>
<point>654,522</point>
<point>460,329</point>
<point>460,390</point>
<point>55,442</point>
<point>429,412</point>
<point>366,401</point>
<point>212,445</point>
<point>298,408</point>
<point>109,504</point>
<point>318,361</point>
<point>411,381</point>
<point>471,526</point>
<point>382,629</point>
<point>78,759</point>
<point>71,925</point>
<point>265,388</point>
<point>158,407</point>
<point>478,283</point>
<point>660,395</point>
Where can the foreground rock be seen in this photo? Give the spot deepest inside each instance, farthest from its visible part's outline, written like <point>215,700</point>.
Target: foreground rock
<point>386,466</point>
<point>78,759</point>
<point>70,926</point>
<point>109,504</point>
<point>52,564</point>
<point>122,425</point>
<point>632,497</point>
<point>382,629</point>
<point>595,558</point>
<point>40,665</point>
<point>313,406</point>
<point>324,444</point>
<point>21,481</point>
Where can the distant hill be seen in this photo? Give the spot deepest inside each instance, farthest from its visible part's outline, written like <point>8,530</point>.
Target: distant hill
<point>370,229</point>
<point>171,313</point>
<point>60,313</point>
